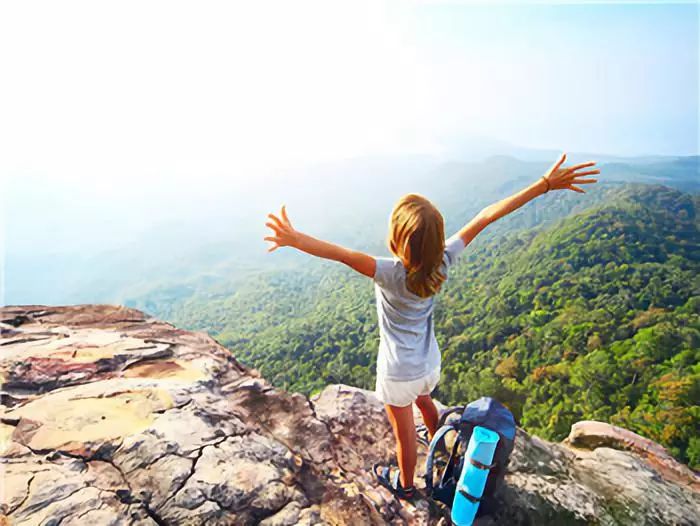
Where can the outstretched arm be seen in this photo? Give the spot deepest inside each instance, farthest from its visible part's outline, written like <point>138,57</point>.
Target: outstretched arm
<point>556,178</point>
<point>286,236</point>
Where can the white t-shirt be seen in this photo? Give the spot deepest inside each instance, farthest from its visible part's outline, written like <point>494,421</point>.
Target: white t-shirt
<point>407,346</point>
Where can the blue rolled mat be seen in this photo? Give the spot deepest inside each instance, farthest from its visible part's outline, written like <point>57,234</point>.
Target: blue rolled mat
<point>472,480</point>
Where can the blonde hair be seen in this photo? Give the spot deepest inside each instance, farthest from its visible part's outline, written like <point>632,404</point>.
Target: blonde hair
<point>417,238</point>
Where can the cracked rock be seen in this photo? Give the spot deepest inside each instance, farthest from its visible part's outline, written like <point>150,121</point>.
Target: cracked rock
<point>113,417</point>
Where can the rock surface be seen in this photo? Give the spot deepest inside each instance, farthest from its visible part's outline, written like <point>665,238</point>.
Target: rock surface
<point>109,416</point>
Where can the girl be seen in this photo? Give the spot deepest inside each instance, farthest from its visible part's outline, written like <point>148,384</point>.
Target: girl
<point>408,361</point>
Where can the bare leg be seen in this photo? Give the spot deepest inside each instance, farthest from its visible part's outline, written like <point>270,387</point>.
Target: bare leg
<point>430,413</point>
<point>401,419</point>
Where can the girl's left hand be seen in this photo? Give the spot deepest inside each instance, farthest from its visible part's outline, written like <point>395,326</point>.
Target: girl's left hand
<point>558,178</point>
<point>285,235</point>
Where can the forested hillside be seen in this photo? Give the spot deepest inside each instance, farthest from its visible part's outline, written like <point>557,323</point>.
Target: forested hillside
<point>597,317</point>
<point>594,316</point>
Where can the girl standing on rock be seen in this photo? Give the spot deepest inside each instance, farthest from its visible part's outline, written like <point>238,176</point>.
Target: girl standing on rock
<point>408,361</point>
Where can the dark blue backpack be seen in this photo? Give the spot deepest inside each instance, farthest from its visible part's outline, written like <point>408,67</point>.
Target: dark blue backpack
<point>485,412</point>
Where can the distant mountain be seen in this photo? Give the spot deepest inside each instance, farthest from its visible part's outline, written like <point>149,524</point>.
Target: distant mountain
<point>57,252</point>
<point>474,148</point>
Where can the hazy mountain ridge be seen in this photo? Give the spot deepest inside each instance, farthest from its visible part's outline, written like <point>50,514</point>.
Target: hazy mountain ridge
<point>217,230</point>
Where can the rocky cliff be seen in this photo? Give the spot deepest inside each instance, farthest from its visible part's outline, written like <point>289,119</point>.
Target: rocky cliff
<point>111,417</point>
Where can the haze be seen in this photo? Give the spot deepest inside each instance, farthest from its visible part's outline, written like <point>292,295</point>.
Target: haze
<point>119,117</point>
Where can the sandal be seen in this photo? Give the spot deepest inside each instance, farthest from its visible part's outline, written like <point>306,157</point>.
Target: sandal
<point>393,484</point>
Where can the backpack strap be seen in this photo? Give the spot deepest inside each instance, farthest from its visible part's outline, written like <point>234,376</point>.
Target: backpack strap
<point>439,435</point>
<point>469,496</point>
<point>443,416</point>
<point>479,465</point>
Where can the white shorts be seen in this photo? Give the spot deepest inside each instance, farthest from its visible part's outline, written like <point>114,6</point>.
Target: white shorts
<point>401,394</point>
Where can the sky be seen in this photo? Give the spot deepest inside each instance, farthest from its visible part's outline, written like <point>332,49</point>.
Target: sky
<point>146,89</point>
<point>133,105</point>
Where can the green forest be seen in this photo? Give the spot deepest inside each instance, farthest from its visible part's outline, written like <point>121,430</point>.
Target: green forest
<point>595,315</point>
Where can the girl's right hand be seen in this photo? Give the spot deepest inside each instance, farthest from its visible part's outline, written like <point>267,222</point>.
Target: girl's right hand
<point>559,178</point>
<point>284,233</point>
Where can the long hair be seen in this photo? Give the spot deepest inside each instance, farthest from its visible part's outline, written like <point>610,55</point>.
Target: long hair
<point>417,238</point>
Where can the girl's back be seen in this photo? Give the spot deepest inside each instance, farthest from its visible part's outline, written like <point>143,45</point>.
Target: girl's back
<point>407,346</point>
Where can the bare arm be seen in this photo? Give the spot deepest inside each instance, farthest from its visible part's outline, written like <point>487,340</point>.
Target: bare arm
<point>286,235</point>
<point>556,178</point>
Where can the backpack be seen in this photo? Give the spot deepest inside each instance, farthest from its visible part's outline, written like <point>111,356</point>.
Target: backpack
<point>485,412</point>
